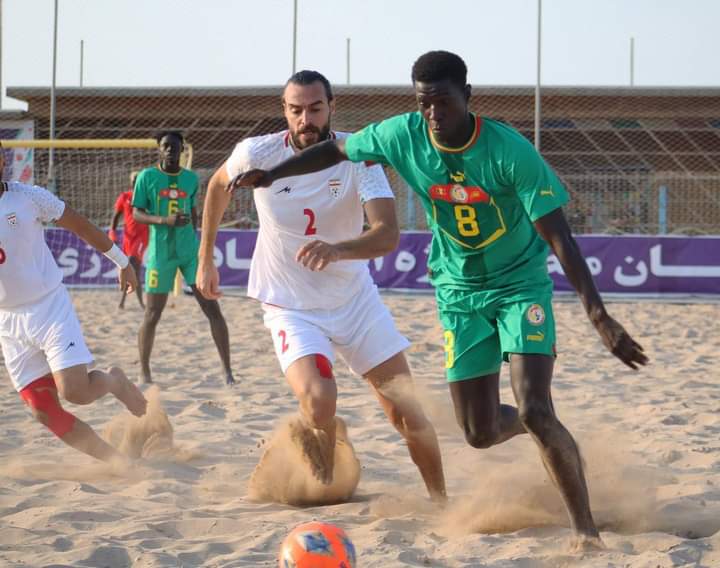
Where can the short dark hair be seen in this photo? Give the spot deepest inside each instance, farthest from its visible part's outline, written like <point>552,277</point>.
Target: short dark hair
<point>436,66</point>
<point>163,133</point>
<point>307,77</point>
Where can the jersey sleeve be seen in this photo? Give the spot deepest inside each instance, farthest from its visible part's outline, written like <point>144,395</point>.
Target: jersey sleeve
<point>239,161</point>
<point>370,143</point>
<point>141,195</point>
<point>536,184</point>
<point>48,207</point>
<point>372,183</point>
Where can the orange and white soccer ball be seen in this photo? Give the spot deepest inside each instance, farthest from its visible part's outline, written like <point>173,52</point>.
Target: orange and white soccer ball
<point>317,545</point>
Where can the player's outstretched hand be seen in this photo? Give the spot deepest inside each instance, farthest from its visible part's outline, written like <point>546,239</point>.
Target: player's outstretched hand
<point>316,255</point>
<point>207,280</point>
<point>250,179</point>
<point>128,279</point>
<point>620,344</point>
<point>177,219</point>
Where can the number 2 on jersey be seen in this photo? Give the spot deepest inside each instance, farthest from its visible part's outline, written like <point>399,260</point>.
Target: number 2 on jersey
<point>310,229</point>
<point>3,256</point>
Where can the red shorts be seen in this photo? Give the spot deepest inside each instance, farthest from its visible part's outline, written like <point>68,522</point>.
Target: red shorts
<point>135,247</point>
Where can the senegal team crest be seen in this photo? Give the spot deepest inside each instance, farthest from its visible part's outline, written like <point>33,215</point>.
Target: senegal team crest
<point>536,314</point>
<point>459,194</point>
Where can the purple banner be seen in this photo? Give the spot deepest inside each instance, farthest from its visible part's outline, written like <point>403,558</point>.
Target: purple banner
<point>630,265</point>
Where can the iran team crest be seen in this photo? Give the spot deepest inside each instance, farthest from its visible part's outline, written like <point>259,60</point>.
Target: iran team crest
<point>11,219</point>
<point>536,314</point>
<point>335,187</point>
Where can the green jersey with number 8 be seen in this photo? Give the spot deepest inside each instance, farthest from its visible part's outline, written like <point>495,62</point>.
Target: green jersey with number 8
<point>161,193</point>
<point>480,200</point>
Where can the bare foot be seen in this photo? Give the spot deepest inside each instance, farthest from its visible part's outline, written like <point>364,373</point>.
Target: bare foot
<point>586,543</point>
<point>313,444</point>
<point>127,393</point>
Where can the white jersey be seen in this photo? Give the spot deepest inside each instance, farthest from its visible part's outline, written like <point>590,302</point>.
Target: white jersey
<point>28,271</point>
<point>325,205</point>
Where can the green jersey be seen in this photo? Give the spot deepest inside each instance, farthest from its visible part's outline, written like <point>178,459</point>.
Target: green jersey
<point>480,200</point>
<point>161,193</point>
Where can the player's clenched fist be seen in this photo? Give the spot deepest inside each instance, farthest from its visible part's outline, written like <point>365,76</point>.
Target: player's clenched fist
<point>250,179</point>
<point>207,280</point>
<point>316,255</point>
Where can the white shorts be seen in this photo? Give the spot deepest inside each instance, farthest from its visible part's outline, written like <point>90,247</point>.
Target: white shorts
<point>41,338</point>
<point>362,331</point>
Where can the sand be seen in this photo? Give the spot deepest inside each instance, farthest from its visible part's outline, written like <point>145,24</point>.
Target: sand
<point>651,441</point>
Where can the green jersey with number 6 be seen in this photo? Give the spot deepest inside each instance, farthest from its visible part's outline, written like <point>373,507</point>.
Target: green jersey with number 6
<point>480,200</point>
<point>161,193</point>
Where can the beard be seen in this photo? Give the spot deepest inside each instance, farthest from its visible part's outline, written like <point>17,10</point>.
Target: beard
<point>320,135</point>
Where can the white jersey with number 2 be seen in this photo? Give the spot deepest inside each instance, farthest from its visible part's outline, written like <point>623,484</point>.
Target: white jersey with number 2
<point>325,205</point>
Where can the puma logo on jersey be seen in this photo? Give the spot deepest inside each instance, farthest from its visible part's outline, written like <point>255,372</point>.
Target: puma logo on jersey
<point>71,344</point>
<point>547,192</point>
<point>286,189</point>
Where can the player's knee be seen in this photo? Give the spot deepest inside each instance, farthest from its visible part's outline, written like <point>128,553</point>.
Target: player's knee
<point>481,438</point>
<point>409,420</point>
<point>76,394</point>
<point>153,315</point>
<point>41,396</point>
<point>536,417</point>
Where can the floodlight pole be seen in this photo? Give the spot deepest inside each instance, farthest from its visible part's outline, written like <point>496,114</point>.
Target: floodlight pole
<point>82,60</point>
<point>294,46</point>
<point>632,61</point>
<point>347,59</point>
<point>51,164</point>
<point>537,79</point>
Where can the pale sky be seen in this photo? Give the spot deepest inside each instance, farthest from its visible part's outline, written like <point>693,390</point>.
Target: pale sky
<point>249,42</point>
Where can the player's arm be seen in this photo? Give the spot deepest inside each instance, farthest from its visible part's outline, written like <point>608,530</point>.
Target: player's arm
<point>216,202</point>
<point>312,159</point>
<point>174,220</point>
<point>554,228</point>
<point>113,226</point>
<point>78,224</point>
<point>381,238</point>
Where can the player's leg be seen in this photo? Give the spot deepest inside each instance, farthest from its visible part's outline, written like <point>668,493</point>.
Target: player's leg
<point>527,331</point>
<point>42,398</point>
<point>218,325</point>
<point>305,357</point>
<point>218,330</point>
<point>154,306</point>
<point>159,278</point>
<point>472,366</point>
<point>136,264</point>
<point>393,386</point>
<point>366,337</point>
<point>311,380</point>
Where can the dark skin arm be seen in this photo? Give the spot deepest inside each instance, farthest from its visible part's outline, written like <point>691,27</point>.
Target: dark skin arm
<point>115,220</point>
<point>554,228</point>
<point>175,220</point>
<point>313,159</point>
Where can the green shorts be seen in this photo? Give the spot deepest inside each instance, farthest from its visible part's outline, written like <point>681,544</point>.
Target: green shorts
<point>160,274</point>
<point>481,329</point>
